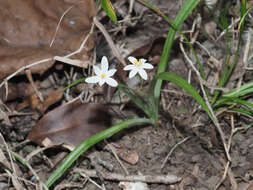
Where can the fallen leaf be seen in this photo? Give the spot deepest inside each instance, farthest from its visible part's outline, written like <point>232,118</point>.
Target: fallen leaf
<point>29,26</point>
<point>51,98</point>
<point>30,98</point>
<point>152,47</point>
<point>71,123</point>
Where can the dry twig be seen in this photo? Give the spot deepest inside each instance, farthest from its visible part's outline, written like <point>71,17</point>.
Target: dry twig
<point>58,25</point>
<point>215,120</point>
<point>168,179</point>
<point>108,38</point>
<point>116,156</point>
<point>171,151</point>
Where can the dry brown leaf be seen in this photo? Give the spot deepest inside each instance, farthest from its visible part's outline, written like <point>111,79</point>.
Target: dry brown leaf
<point>51,98</point>
<point>29,27</point>
<point>14,91</point>
<point>71,123</point>
<point>152,47</point>
<point>30,98</point>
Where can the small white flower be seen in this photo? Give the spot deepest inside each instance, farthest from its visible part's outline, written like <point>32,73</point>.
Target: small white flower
<point>103,75</point>
<point>138,66</point>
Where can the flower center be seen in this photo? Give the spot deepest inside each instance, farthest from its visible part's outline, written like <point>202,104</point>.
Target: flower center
<point>103,76</point>
<point>138,63</point>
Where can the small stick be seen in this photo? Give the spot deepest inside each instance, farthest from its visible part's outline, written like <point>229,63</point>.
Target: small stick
<point>215,120</point>
<point>165,179</point>
<point>245,59</point>
<point>58,25</point>
<point>249,68</point>
<point>83,43</point>
<point>171,151</point>
<point>233,131</point>
<point>30,78</point>
<point>229,27</point>
<point>223,177</point>
<point>88,177</point>
<point>117,158</point>
<point>108,38</point>
<point>24,68</point>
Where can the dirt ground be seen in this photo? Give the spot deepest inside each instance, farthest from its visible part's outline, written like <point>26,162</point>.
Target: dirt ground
<point>185,145</point>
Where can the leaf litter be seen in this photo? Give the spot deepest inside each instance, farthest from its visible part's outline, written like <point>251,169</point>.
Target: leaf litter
<point>199,160</point>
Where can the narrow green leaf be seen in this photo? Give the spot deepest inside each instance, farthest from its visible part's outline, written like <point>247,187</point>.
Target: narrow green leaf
<point>184,12</point>
<point>74,83</point>
<point>108,8</point>
<point>138,99</point>
<point>86,144</point>
<point>244,112</point>
<point>227,74</point>
<point>243,13</point>
<point>179,81</point>
<point>237,101</point>
<point>153,101</point>
<point>242,91</point>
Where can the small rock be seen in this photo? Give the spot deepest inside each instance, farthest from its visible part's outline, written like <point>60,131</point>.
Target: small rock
<point>133,186</point>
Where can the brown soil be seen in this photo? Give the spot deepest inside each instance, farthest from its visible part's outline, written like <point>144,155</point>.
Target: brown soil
<point>200,160</point>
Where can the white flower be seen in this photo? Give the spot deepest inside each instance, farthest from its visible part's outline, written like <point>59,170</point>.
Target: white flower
<point>103,75</point>
<point>138,66</point>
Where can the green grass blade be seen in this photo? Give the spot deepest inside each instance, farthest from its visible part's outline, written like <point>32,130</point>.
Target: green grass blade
<point>86,144</point>
<point>229,70</point>
<point>176,28</point>
<point>74,83</point>
<point>158,11</point>
<point>179,81</point>
<point>184,12</point>
<point>108,8</point>
<point>153,101</point>
<point>243,13</point>
<point>236,96</point>
<point>139,100</point>
<point>244,112</point>
<point>242,91</point>
<point>237,101</point>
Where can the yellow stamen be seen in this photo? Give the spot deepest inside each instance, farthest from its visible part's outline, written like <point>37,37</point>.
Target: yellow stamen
<point>138,63</point>
<point>103,76</point>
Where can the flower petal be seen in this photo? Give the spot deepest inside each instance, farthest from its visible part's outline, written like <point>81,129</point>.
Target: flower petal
<point>111,82</point>
<point>132,59</point>
<point>147,66</point>
<point>133,73</point>
<point>129,67</point>
<point>101,82</point>
<point>111,72</point>
<point>143,74</point>
<point>104,64</point>
<point>96,70</point>
<point>143,61</point>
<point>93,79</point>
